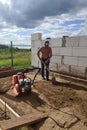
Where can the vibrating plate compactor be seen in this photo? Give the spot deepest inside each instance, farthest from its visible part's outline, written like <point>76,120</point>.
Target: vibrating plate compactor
<point>21,83</point>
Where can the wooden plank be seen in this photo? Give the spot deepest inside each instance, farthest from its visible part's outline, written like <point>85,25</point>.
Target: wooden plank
<point>22,121</point>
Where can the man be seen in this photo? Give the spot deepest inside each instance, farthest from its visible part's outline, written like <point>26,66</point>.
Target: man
<point>44,54</point>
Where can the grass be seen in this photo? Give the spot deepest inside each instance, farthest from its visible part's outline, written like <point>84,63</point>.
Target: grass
<point>21,58</point>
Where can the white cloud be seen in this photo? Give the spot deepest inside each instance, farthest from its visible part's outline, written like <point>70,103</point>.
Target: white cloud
<point>19,19</point>
<point>5,2</point>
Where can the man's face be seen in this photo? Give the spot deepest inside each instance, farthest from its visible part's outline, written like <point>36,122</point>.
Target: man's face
<point>46,45</point>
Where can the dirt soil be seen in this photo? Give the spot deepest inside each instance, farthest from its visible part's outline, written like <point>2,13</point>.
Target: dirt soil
<point>49,98</point>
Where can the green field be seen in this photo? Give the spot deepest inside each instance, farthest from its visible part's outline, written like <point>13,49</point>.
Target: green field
<point>16,58</point>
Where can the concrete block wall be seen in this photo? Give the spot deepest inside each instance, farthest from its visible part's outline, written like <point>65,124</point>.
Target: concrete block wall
<point>36,43</point>
<point>69,54</point>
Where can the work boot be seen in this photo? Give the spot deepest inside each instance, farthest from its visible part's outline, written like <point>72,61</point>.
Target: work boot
<point>47,79</point>
<point>43,78</point>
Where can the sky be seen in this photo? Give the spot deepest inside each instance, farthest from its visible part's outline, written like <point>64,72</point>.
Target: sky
<point>19,19</point>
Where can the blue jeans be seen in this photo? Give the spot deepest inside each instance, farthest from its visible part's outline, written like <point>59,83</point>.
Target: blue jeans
<point>43,67</point>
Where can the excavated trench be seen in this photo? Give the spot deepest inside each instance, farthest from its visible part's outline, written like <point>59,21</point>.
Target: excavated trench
<point>65,102</point>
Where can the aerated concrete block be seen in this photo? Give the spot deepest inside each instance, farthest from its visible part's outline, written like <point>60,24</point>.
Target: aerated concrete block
<point>56,59</point>
<point>79,51</point>
<point>83,41</point>
<point>82,61</point>
<point>65,51</point>
<point>72,41</point>
<point>36,36</point>
<point>35,61</point>
<point>56,42</point>
<point>34,51</point>
<point>55,51</point>
<point>70,60</point>
<point>36,43</point>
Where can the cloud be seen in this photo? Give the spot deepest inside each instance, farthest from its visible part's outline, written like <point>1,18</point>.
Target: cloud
<point>53,18</point>
<point>31,13</point>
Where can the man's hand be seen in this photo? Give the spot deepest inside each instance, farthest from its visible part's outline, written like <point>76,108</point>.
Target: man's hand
<point>46,61</point>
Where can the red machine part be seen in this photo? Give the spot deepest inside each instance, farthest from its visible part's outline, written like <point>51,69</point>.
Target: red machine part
<point>15,84</point>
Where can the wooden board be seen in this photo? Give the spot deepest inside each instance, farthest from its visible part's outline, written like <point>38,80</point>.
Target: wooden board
<point>22,121</point>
